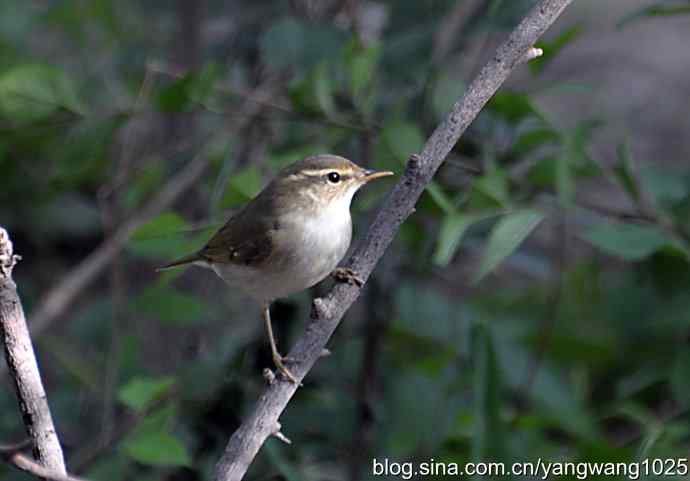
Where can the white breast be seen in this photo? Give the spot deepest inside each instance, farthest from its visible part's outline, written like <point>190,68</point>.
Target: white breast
<point>316,245</point>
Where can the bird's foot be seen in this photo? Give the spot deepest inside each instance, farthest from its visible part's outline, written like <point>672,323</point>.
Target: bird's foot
<point>280,362</point>
<point>348,276</point>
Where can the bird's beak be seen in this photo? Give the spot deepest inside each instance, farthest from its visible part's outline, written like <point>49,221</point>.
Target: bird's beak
<point>370,175</point>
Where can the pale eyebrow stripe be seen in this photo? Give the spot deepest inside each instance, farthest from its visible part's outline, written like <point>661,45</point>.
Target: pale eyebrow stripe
<point>320,172</point>
<point>295,177</point>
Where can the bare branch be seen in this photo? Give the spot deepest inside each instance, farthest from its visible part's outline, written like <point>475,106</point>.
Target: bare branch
<point>327,312</point>
<point>21,360</point>
<point>28,465</point>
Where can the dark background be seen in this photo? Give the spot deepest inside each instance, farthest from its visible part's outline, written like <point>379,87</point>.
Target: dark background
<point>467,344</point>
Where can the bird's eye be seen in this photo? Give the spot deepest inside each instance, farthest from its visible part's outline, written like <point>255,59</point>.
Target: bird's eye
<point>333,177</point>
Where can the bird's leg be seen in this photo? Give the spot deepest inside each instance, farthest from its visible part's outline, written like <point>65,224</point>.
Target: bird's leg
<point>277,358</point>
<point>347,275</point>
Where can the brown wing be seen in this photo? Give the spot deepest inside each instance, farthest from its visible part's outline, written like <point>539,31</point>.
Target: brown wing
<point>244,240</point>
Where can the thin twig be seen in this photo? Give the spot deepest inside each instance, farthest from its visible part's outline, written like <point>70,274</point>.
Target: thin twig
<point>21,360</point>
<point>327,312</point>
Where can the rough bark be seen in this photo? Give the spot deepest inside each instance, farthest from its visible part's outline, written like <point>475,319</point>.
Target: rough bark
<point>21,360</point>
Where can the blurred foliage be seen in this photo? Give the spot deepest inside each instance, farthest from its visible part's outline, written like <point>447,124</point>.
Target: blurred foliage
<point>513,318</point>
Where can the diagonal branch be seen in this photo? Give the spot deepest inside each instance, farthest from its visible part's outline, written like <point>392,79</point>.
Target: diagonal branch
<point>23,367</point>
<point>326,314</point>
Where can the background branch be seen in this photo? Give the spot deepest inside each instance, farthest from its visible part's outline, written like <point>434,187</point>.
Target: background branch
<point>60,297</point>
<point>262,422</point>
<point>23,367</point>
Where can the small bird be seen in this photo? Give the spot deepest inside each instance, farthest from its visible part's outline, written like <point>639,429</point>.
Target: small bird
<point>290,236</point>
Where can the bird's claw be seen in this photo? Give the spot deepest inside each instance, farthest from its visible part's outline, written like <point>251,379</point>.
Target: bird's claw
<point>279,362</point>
<point>348,276</point>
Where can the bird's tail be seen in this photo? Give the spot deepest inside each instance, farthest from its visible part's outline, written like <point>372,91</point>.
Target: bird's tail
<point>181,262</point>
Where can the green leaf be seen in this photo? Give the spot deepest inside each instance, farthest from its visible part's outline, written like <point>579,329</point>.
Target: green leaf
<point>109,467</point>
<point>629,241</point>
<point>361,62</point>
<point>162,237</point>
<point>315,93</point>
<point>83,156</point>
<point>159,420</point>
<point>490,190</point>
<point>452,230</point>
<point>184,93</point>
<point>505,237</point>
<point>176,96</point>
<point>402,139</point>
<point>170,306</point>
<point>165,224</point>
<point>242,186</point>
<point>324,90</point>
<point>33,92</point>
<point>414,301</point>
<point>551,49</point>
<point>532,139</point>
<point>543,172</point>
<point>157,449</point>
<point>138,393</point>
<point>441,199</point>
<point>577,144</point>
<point>447,89</point>
<point>512,106</point>
<point>623,171</point>
<point>68,359</point>
<point>667,186</point>
<point>575,161</point>
<point>488,441</point>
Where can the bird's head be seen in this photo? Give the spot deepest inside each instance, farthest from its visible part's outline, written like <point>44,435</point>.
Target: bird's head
<point>324,180</point>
